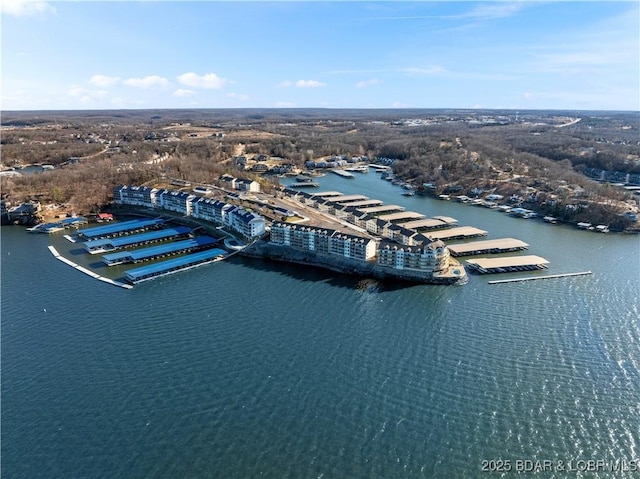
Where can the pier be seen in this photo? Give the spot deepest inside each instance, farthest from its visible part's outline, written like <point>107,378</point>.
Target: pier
<point>404,215</point>
<point>425,224</point>
<point>119,229</point>
<point>343,173</point>
<point>170,266</point>
<point>531,278</point>
<point>502,245</point>
<point>374,210</point>
<point>86,271</point>
<point>159,251</point>
<point>106,245</point>
<point>507,264</point>
<point>460,232</point>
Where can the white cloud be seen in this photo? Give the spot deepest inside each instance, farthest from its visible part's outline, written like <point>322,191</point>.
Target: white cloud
<point>103,81</point>
<point>399,104</point>
<point>21,8</point>
<point>183,92</point>
<point>285,84</point>
<point>309,84</point>
<point>150,81</point>
<point>208,80</point>
<point>368,83</point>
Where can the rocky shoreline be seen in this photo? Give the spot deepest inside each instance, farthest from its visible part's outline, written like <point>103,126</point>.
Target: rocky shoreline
<point>263,249</point>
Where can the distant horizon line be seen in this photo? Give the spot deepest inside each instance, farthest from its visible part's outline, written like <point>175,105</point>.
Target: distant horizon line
<point>2,112</point>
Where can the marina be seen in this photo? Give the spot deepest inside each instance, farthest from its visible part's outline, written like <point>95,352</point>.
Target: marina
<point>174,265</point>
<point>119,229</point>
<point>502,245</point>
<point>507,264</point>
<point>149,237</point>
<point>160,251</point>
<point>461,232</point>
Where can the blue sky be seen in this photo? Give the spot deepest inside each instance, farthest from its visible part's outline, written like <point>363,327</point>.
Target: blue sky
<point>367,54</point>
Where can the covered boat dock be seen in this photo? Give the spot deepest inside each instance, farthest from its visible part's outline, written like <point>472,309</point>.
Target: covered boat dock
<point>425,224</point>
<point>159,251</point>
<point>404,215</point>
<point>345,198</point>
<point>460,232</point>
<point>110,244</point>
<point>507,264</point>
<point>173,265</point>
<point>501,245</point>
<point>359,203</point>
<point>119,229</point>
<point>374,210</point>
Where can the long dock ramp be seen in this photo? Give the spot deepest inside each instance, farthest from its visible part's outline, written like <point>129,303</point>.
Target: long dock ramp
<point>531,278</point>
<point>58,256</point>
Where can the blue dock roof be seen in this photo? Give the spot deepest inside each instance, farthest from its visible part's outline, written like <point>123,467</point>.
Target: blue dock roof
<point>115,228</point>
<point>146,253</point>
<point>137,274</point>
<point>124,241</point>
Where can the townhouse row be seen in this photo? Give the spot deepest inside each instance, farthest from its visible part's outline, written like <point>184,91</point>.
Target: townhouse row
<point>247,223</point>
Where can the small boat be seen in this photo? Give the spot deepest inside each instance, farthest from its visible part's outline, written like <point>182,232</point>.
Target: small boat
<point>550,219</point>
<point>408,193</point>
<point>234,244</point>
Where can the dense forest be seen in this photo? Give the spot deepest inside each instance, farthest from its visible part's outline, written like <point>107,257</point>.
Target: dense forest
<point>548,159</point>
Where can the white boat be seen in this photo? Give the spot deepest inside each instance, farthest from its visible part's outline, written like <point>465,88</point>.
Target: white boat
<point>234,244</point>
<point>550,219</point>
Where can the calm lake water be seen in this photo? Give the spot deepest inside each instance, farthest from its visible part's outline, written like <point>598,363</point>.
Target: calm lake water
<point>250,368</point>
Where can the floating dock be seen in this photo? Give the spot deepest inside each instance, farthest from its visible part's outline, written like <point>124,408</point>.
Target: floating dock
<point>461,232</point>
<point>501,245</point>
<point>425,224</point>
<point>404,215</point>
<point>174,265</point>
<point>531,278</point>
<point>306,184</point>
<point>373,210</point>
<point>119,229</point>
<point>111,244</point>
<point>159,251</point>
<point>343,173</point>
<point>86,271</point>
<point>344,198</point>
<point>507,264</point>
<point>326,194</point>
<point>359,203</point>
<point>447,219</point>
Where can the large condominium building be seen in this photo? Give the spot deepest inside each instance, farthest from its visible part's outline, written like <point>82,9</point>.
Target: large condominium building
<point>322,240</point>
<point>430,258</point>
